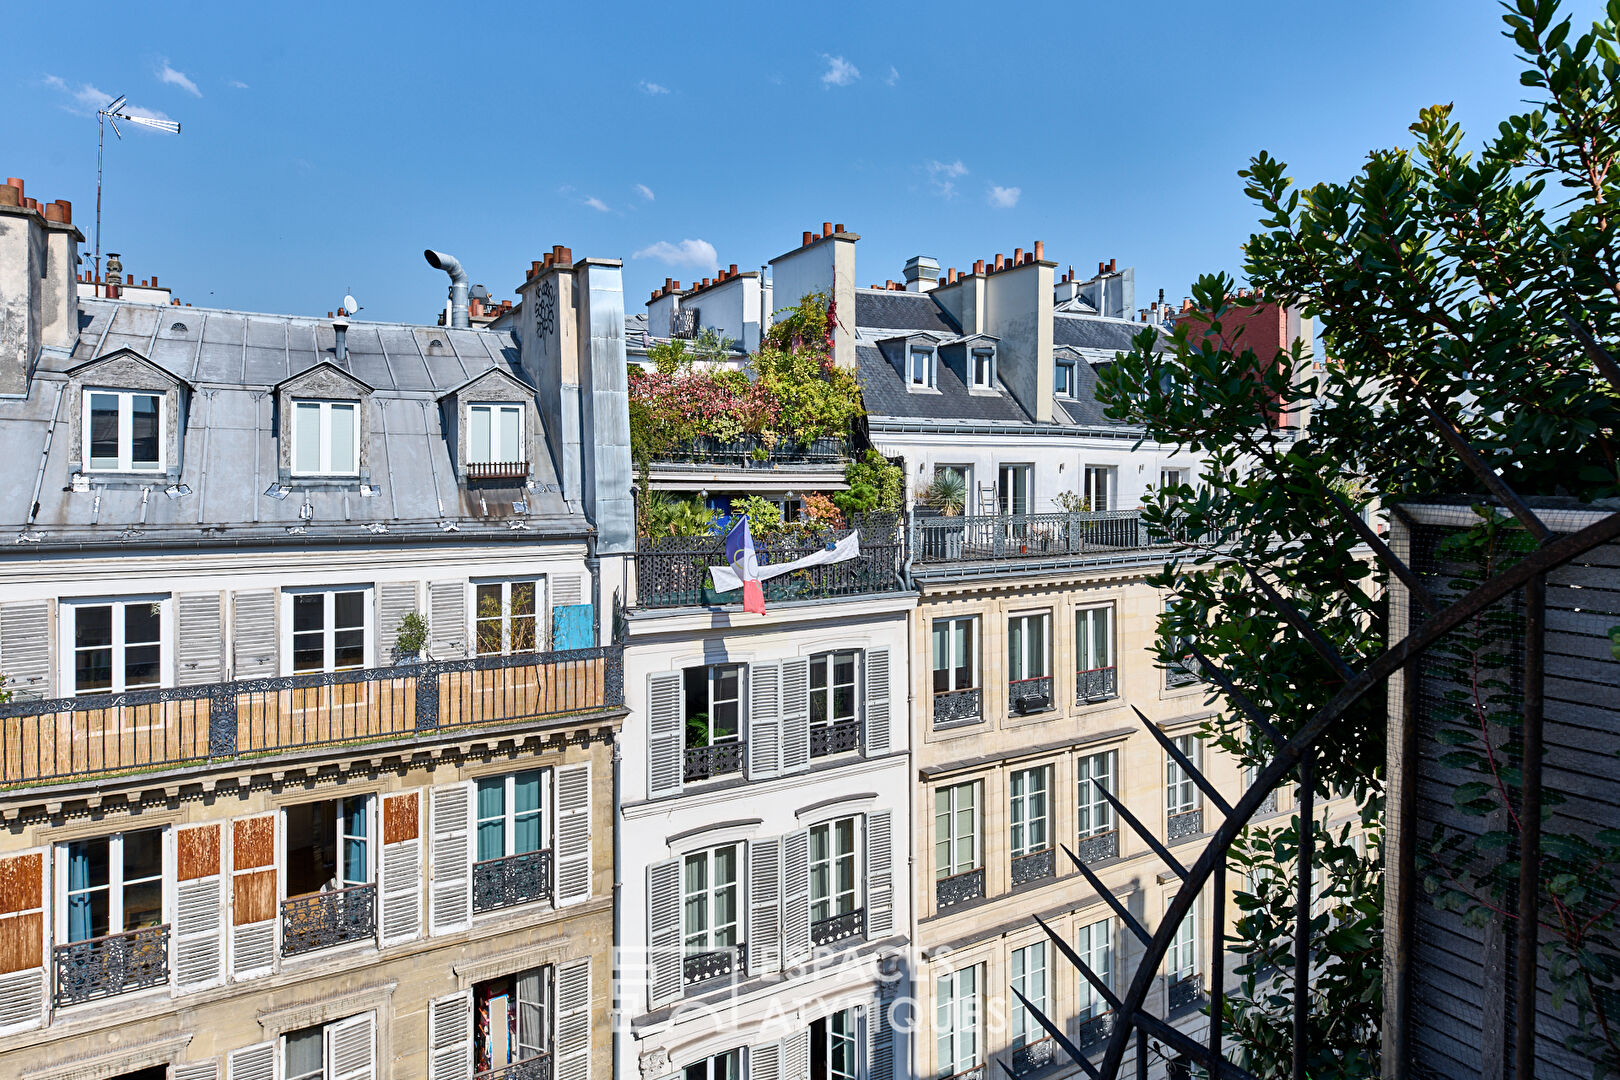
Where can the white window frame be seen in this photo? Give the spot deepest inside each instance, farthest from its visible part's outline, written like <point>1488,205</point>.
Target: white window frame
<point>1178,473</point>
<point>327,629</point>
<point>1089,803</point>
<point>325,1027</point>
<point>1024,618</point>
<point>126,430</point>
<point>710,1063</point>
<point>115,879</point>
<point>836,897</point>
<point>67,640</point>
<point>373,840</point>
<point>1063,384</point>
<point>709,896</point>
<point>1095,944</point>
<point>1103,499</point>
<point>950,866</point>
<point>848,1038</point>
<point>1094,658</point>
<point>1005,488</point>
<point>827,661</point>
<point>542,611</point>
<point>1181,959</point>
<point>499,416</point>
<point>325,437</point>
<point>956,1021</point>
<point>988,354</point>
<point>928,356</point>
<point>952,625</point>
<point>509,814</point>
<point>709,674</point>
<point>1021,810</point>
<point>1034,982</point>
<point>1180,792</point>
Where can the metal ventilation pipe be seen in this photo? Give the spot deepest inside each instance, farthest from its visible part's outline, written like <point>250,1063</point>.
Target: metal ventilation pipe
<point>458,284</point>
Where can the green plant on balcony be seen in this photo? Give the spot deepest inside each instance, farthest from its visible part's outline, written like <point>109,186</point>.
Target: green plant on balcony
<point>875,485</point>
<point>664,514</point>
<point>947,494</point>
<point>412,635</point>
<point>1071,502</point>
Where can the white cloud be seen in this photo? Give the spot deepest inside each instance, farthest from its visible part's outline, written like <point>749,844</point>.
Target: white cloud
<point>1004,197</point>
<point>169,76</point>
<point>237,84</point>
<point>840,72</point>
<point>653,88</point>
<point>85,99</point>
<point>645,192</point>
<point>698,254</point>
<point>943,175</point>
<point>597,204</point>
<point>893,76</point>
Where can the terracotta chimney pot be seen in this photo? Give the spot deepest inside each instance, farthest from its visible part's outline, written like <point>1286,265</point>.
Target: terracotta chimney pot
<point>808,236</point>
<point>1040,251</point>
<point>826,228</point>
<point>838,228</point>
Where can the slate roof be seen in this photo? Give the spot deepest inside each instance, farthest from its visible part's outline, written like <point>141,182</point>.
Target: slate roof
<point>229,460</point>
<point>886,394</point>
<point>1094,332</point>
<point>886,309</point>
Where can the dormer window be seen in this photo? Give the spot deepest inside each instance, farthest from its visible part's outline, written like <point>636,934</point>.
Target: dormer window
<point>1063,379</point>
<point>984,369</point>
<point>494,433</point>
<point>123,430</point>
<point>922,367</point>
<point>326,438</point>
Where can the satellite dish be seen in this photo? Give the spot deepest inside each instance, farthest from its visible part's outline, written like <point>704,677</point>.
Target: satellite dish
<point>350,304</point>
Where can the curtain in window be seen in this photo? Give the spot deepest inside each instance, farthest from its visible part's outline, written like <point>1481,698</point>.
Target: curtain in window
<point>354,841</point>
<point>491,819</point>
<point>526,812</point>
<point>79,915</point>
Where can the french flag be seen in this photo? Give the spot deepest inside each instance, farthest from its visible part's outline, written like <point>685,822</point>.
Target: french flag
<point>744,563</point>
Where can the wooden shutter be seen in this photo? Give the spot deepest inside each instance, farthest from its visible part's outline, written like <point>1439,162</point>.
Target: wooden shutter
<point>253,896</point>
<point>351,1048</point>
<point>450,1037</point>
<point>573,844</point>
<point>199,910</point>
<point>198,1070</point>
<point>796,1055</point>
<point>395,600</point>
<point>574,1020</point>
<point>666,735</point>
<point>765,1062</point>
<point>764,905</point>
<point>795,897</point>
<point>795,714</point>
<point>22,940</point>
<point>253,634</point>
<point>199,646</point>
<point>879,874</point>
<point>875,741</point>
<point>401,891</point>
<point>451,853</point>
<point>25,647</point>
<point>664,969</point>
<point>764,721</point>
<point>447,620</point>
<point>256,1062</point>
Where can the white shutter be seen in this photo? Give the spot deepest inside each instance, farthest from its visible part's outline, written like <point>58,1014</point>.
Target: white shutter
<point>765,1062</point>
<point>875,739</point>
<point>25,647</point>
<point>447,620</point>
<point>795,714</point>
<point>666,735</point>
<point>351,1048</point>
<point>256,1062</point>
<point>253,635</point>
<point>450,1037</point>
<point>199,933</point>
<point>22,999</point>
<point>253,941</point>
<point>764,721</point>
<point>795,897</point>
<point>23,927</point>
<point>395,600</point>
<point>451,854</point>
<point>197,1070</point>
<point>573,865</point>
<point>879,874</point>
<point>664,968</point>
<point>199,646</point>
<point>565,590</point>
<point>574,1020</point>
<point>401,889</point>
<point>764,938</point>
<point>796,1055</point>
<point>880,1036</point>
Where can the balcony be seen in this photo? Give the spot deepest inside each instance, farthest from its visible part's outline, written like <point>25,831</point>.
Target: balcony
<point>1026,696</point>
<point>326,919</point>
<point>1033,1057</point>
<point>752,452</point>
<point>1268,805</point>
<point>990,544</point>
<point>701,967</point>
<point>840,737</point>
<point>113,964</point>
<point>1095,1031</point>
<point>1096,684</point>
<point>708,762</point>
<point>851,924</point>
<point>954,707</point>
<point>1034,866</point>
<point>1098,847</point>
<point>976,1072</point>
<point>535,1068</point>
<point>958,889</point>
<point>1183,993</point>
<point>673,571</point>
<point>497,470</point>
<point>513,880</point>
<point>1185,824</point>
<point>141,730</point>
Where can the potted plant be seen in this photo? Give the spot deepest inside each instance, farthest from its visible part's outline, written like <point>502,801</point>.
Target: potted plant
<point>944,497</point>
<point>412,636</point>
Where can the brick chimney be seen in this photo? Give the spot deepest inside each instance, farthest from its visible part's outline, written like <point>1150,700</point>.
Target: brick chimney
<point>39,295</point>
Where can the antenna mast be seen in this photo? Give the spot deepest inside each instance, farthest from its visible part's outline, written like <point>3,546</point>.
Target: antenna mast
<point>112,114</point>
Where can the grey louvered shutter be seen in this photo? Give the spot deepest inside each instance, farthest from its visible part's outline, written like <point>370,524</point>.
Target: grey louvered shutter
<point>25,648</point>
<point>253,635</point>
<point>565,590</point>
<point>451,855</point>
<point>663,932</point>
<point>198,1070</point>
<point>666,735</point>
<point>450,1037</point>
<point>199,916</point>
<point>447,620</point>
<point>401,891</point>
<point>764,905</point>
<point>395,600</point>
<point>795,714</point>
<point>573,844</point>
<point>876,738</point>
<point>880,1035</point>
<point>796,1055</point>
<point>795,897</point>
<point>574,1020</point>
<point>351,1048</point>
<point>879,874</point>
<point>199,646</point>
<point>765,1062</point>
<point>256,1062</point>
<point>764,748</point>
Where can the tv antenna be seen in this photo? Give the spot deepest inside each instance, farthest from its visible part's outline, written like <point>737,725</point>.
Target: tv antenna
<point>111,115</point>
<point>350,304</point>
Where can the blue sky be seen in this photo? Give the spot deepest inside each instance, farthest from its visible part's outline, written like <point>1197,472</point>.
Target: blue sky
<point>324,147</point>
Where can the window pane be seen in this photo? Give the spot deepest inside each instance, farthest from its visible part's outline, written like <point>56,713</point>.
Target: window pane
<point>309,612</point>
<point>342,454</point>
<point>92,626</point>
<point>526,791</point>
<point>142,623</point>
<point>144,449</point>
<point>307,437</point>
<point>303,1057</point>
<point>510,425</point>
<point>522,598</point>
<point>349,649</point>
<point>104,431</point>
<point>349,610</point>
<point>478,424</point>
<point>143,905</point>
<point>92,670</point>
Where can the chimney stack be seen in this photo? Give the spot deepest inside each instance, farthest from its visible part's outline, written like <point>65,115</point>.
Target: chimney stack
<point>921,273</point>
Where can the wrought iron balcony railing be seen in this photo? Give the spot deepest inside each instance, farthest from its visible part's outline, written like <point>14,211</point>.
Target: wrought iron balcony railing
<point>952,707</point>
<point>1096,684</point>
<point>1024,537</point>
<point>1098,847</point>
<point>1189,823</point>
<point>752,452</point>
<point>850,924</point>
<point>840,737</point>
<point>96,735</point>
<point>1095,1030</point>
<point>513,880</point>
<point>1026,696</point>
<point>958,888</point>
<point>1268,805</point>
<point>534,1068</point>
<point>1032,1057</point>
<point>1183,992</point>
<point>974,1072</point>
<point>700,967</point>
<point>673,571</point>
<point>707,762</point>
<point>1034,866</point>
<point>497,470</point>
<point>322,920</point>
<point>112,964</point>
